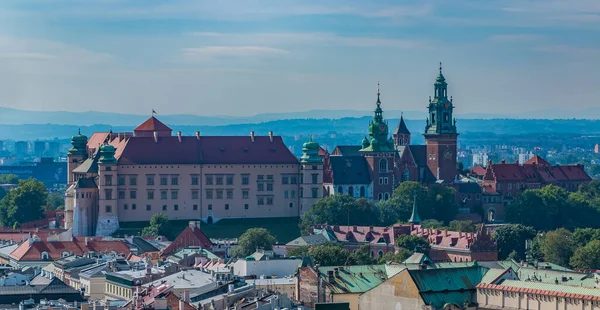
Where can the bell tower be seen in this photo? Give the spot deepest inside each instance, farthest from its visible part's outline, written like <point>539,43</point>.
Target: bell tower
<point>440,133</point>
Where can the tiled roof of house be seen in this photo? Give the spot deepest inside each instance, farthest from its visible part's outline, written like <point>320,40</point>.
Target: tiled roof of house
<point>478,170</point>
<point>359,234</point>
<point>549,289</point>
<point>353,279</point>
<point>350,170</point>
<point>189,237</point>
<point>152,124</point>
<point>536,160</point>
<point>31,251</point>
<point>533,172</point>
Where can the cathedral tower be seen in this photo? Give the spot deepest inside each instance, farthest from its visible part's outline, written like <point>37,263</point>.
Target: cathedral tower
<point>440,133</point>
<point>311,175</point>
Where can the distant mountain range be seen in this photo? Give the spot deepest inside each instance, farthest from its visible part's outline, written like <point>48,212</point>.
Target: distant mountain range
<point>11,116</point>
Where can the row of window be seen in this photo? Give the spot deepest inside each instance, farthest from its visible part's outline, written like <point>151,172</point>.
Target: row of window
<point>261,200</point>
<point>211,179</point>
<point>210,194</point>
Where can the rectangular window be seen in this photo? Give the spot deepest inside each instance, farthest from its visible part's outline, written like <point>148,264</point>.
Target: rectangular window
<point>315,192</point>
<point>261,187</point>
<point>226,206</point>
<point>125,206</point>
<point>209,194</point>
<point>219,194</point>
<point>245,194</point>
<point>108,194</point>
<point>260,177</point>
<point>270,200</point>
<point>302,179</point>
<point>163,195</point>
<point>194,180</point>
<point>301,193</point>
<point>246,206</point>
<point>229,194</point>
<point>108,209</point>
<point>176,207</point>
<point>385,180</point>
<point>164,207</point>
<point>108,180</point>
<point>509,185</point>
<point>133,180</point>
<point>175,180</point>
<point>195,207</point>
<point>380,180</point>
<point>269,187</point>
<point>270,177</point>
<point>133,206</point>
<point>174,195</point>
<point>292,194</point>
<point>148,208</point>
<point>291,204</point>
<point>315,178</point>
<point>194,194</point>
<point>132,194</point>
<point>121,180</point>
<point>209,180</point>
<point>121,194</point>
<point>261,200</point>
<point>219,180</point>
<point>150,195</point>
<point>209,207</point>
<point>229,179</point>
<point>163,180</point>
<point>285,194</point>
<point>150,179</point>
<point>285,179</point>
<point>293,180</point>
<point>245,179</point>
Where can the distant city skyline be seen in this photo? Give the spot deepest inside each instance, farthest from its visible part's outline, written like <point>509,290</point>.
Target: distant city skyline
<point>243,58</point>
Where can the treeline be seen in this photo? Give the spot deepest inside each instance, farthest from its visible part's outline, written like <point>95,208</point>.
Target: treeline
<point>436,202</point>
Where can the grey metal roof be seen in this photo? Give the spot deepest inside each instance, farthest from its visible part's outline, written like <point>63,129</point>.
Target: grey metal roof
<point>350,170</point>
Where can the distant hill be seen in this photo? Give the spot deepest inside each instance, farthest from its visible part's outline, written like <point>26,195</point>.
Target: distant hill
<point>17,117</point>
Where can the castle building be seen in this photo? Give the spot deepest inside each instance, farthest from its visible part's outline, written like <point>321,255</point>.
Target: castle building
<point>125,177</point>
<point>374,169</point>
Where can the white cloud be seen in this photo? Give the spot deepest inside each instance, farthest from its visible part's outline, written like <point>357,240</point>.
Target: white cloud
<point>28,56</point>
<point>209,52</point>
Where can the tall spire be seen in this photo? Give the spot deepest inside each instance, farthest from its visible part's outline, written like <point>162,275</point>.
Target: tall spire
<point>440,68</point>
<point>414,218</point>
<point>378,93</point>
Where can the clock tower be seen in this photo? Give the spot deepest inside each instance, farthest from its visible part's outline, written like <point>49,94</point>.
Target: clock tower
<point>440,133</point>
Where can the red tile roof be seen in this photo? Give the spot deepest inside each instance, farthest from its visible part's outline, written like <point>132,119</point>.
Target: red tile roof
<point>31,251</point>
<point>206,150</point>
<point>537,172</point>
<point>152,124</point>
<point>189,237</point>
<point>536,160</point>
<point>478,170</point>
<point>24,234</point>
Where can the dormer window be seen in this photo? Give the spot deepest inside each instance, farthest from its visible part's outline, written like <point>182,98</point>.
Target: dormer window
<point>65,254</point>
<point>44,256</point>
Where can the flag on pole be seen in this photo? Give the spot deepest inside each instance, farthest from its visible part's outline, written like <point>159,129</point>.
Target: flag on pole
<point>537,148</point>
<point>154,112</point>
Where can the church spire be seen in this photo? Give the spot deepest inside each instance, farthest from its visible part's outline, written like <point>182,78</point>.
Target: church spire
<point>378,111</point>
<point>414,218</point>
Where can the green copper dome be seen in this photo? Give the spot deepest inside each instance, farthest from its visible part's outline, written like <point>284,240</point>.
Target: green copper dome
<point>365,143</point>
<point>79,144</point>
<point>378,132</point>
<point>310,152</point>
<point>107,154</point>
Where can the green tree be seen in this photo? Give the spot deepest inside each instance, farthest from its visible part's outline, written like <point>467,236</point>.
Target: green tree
<point>362,256</point>
<point>543,209</point>
<point>299,251</point>
<point>557,246</point>
<point>159,226</point>
<point>399,257</point>
<point>462,226</point>
<point>24,203</point>
<point>9,179</point>
<point>340,210</point>
<point>587,257</point>
<point>329,254</point>
<point>399,206</point>
<point>511,238</point>
<point>582,236</point>
<point>55,201</point>
<point>431,223</point>
<point>443,199</point>
<point>253,239</point>
<point>413,243</point>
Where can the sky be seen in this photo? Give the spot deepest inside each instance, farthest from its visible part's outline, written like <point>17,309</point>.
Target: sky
<point>245,57</point>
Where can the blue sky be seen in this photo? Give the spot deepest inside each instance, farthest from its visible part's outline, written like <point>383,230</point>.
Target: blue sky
<point>255,56</point>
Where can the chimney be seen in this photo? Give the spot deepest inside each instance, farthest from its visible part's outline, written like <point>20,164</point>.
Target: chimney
<point>330,275</point>
<point>155,137</point>
<point>86,242</point>
<point>179,136</point>
<point>271,136</point>
<point>252,136</point>
<point>503,161</point>
<point>445,233</point>
<point>354,228</point>
<point>197,135</point>
<point>181,305</point>
<point>336,272</point>
<point>186,296</point>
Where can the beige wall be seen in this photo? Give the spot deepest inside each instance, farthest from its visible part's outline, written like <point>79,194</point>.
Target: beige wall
<point>398,292</point>
<point>94,287</point>
<point>352,299</point>
<point>117,292</point>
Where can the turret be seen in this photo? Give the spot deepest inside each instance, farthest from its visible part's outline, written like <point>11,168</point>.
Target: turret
<point>378,131</point>
<point>401,133</point>
<point>108,221</point>
<point>76,154</point>
<point>311,171</point>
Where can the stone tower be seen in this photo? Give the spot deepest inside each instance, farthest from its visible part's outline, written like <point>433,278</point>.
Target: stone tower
<point>311,175</point>
<point>379,151</point>
<point>401,134</point>
<point>108,219</point>
<point>76,155</point>
<point>440,133</point>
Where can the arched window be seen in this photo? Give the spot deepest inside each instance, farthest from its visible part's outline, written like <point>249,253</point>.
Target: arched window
<point>383,165</point>
<point>379,196</point>
<point>351,191</point>
<point>65,254</point>
<point>362,191</point>
<point>386,196</point>
<point>380,253</point>
<point>340,190</point>
<point>45,256</point>
<point>372,253</point>
<point>405,176</point>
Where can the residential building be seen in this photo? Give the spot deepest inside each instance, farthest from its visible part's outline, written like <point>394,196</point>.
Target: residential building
<point>266,267</point>
<point>479,159</point>
<point>123,177</point>
<point>53,289</point>
<point>39,148</point>
<point>21,148</point>
<point>190,237</point>
<point>287,286</point>
<point>121,285</point>
<point>191,281</point>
